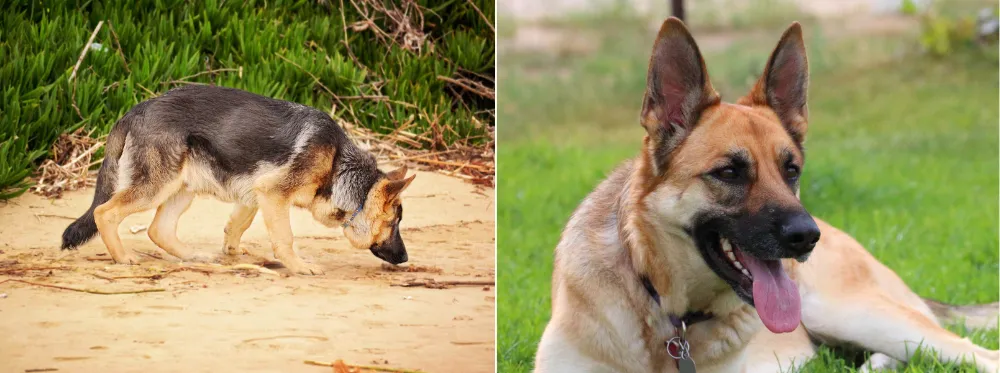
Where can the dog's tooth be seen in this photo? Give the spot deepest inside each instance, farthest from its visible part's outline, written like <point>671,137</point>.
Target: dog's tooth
<point>738,265</point>
<point>745,272</point>
<point>731,256</point>
<point>726,246</point>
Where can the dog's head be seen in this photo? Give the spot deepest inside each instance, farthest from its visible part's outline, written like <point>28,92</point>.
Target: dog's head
<point>728,174</point>
<point>376,225</point>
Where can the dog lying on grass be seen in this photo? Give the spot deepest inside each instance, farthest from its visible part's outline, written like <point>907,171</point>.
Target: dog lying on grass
<point>253,151</point>
<point>681,255</point>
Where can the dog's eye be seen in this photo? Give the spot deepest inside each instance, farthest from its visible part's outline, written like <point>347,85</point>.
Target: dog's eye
<point>728,174</point>
<point>792,172</point>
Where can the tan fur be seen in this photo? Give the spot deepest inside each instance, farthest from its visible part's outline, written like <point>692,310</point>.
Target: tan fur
<point>239,222</point>
<point>381,209</point>
<point>603,320</point>
<point>272,189</point>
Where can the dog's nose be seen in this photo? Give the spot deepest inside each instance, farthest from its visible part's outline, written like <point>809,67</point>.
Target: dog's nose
<point>400,259</point>
<point>800,233</point>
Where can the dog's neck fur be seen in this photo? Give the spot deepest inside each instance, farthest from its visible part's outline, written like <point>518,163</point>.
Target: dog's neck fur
<point>353,175</point>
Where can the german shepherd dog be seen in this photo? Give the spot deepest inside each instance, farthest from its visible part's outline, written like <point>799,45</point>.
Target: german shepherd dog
<point>683,253</point>
<point>253,151</point>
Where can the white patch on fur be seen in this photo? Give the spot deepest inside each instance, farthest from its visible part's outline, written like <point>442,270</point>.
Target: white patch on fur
<point>303,138</point>
<point>677,208</point>
<point>199,178</point>
<point>124,167</point>
<point>240,188</point>
<point>561,356</point>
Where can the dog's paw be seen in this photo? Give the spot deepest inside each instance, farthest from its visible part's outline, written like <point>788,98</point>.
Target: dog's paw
<point>128,259</point>
<point>234,250</point>
<point>303,268</point>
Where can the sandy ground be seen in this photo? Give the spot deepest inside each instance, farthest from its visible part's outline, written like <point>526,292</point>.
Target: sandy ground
<point>248,321</point>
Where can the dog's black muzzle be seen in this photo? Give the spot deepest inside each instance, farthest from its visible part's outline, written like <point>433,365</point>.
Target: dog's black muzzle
<point>392,250</point>
<point>775,233</point>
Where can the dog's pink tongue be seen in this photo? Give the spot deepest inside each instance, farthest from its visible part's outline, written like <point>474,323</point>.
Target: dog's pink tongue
<point>774,295</point>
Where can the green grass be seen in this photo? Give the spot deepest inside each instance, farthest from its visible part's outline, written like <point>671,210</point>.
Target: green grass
<point>288,49</point>
<point>903,156</point>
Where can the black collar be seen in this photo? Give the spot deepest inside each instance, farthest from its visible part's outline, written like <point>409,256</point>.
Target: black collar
<point>689,318</point>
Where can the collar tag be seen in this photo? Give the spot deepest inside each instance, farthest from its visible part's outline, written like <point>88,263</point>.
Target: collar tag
<point>680,350</point>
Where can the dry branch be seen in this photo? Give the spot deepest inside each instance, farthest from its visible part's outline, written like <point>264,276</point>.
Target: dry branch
<point>471,86</point>
<point>91,291</point>
<point>119,47</point>
<point>86,48</point>
<point>340,367</point>
<point>485,19</point>
<point>200,268</point>
<point>435,284</point>
<point>184,80</point>
<point>25,269</point>
<point>68,168</point>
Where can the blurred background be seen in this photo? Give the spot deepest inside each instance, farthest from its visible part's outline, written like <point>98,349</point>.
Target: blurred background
<point>902,145</point>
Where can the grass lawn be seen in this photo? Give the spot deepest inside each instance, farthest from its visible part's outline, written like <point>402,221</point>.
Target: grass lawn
<point>903,156</point>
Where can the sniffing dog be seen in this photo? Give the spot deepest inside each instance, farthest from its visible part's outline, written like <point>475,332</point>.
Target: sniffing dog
<point>253,151</point>
<point>679,257</point>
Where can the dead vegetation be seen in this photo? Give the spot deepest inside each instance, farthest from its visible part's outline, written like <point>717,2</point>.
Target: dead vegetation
<point>68,168</point>
<point>394,24</point>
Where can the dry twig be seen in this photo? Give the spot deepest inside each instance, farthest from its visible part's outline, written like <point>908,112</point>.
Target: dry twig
<point>91,291</point>
<point>435,284</point>
<point>86,48</point>
<point>487,20</point>
<point>25,269</point>
<point>471,86</point>
<point>68,168</point>
<point>119,47</point>
<point>184,80</point>
<point>340,367</point>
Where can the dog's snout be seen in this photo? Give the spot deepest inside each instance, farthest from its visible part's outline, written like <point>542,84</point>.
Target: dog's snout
<point>392,251</point>
<point>391,257</point>
<point>799,233</point>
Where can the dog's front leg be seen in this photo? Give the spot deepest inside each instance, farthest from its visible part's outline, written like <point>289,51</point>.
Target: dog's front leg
<point>879,323</point>
<point>239,222</point>
<point>275,210</point>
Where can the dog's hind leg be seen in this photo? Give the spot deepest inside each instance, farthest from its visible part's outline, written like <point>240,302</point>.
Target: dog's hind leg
<point>133,199</point>
<point>163,230</point>
<point>778,353</point>
<point>873,320</point>
<point>239,222</point>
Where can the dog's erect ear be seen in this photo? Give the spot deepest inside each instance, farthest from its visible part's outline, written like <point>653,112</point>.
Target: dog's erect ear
<point>393,188</point>
<point>783,86</point>
<point>397,174</point>
<point>677,90</point>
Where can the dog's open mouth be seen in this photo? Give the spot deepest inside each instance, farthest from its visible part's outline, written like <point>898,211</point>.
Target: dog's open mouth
<point>760,282</point>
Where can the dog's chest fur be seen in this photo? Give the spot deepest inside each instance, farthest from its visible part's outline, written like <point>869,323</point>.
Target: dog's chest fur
<point>600,283</point>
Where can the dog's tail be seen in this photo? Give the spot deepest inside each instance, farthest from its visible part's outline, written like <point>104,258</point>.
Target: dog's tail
<point>84,228</point>
<point>976,316</point>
